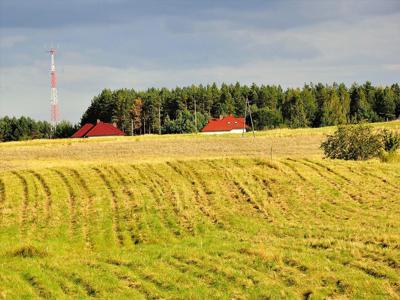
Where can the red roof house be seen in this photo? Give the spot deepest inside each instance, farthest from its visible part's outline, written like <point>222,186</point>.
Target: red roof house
<point>228,124</point>
<point>83,130</point>
<point>100,129</point>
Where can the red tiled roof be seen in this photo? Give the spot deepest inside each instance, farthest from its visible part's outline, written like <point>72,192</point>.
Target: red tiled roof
<point>100,129</point>
<point>104,129</point>
<point>83,131</point>
<point>225,124</point>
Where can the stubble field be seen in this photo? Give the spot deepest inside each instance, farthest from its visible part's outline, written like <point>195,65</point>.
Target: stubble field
<point>193,217</point>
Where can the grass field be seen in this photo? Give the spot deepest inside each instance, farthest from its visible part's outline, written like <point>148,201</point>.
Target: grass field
<point>195,217</point>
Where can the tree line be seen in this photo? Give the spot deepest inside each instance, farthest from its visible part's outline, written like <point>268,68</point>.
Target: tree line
<point>187,109</point>
<point>25,128</point>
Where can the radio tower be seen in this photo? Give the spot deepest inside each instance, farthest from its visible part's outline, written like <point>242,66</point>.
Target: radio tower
<point>55,112</point>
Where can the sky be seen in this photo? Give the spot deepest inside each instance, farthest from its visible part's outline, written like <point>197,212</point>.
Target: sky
<point>142,44</point>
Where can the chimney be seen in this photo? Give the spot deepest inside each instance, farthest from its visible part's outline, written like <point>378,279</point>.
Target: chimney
<point>98,121</point>
<point>115,124</point>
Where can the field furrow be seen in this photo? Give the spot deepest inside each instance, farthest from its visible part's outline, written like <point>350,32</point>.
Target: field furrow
<point>24,204</point>
<point>89,218</point>
<point>47,194</point>
<point>228,228</point>
<point>333,184</point>
<point>2,199</point>
<point>115,205</point>
<point>199,199</point>
<point>294,170</point>
<point>128,206</point>
<point>244,193</point>
<point>171,195</point>
<point>202,193</point>
<point>155,205</point>
<point>74,222</point>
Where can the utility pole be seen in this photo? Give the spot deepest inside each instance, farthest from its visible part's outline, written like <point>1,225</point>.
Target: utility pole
<point>247,106</point>
<point>251,118</point>
<point>159,119</point>
<point>195,114</point>
<point>245,115</point>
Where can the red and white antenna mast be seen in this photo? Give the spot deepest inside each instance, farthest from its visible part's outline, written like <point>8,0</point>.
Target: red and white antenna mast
<point>55,111</point>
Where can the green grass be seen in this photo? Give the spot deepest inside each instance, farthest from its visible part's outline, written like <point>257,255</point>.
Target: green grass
<point>215,228</point>
<point>201,224</point>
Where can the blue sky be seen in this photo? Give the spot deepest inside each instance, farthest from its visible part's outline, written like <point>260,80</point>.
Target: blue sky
<point>140,44</point>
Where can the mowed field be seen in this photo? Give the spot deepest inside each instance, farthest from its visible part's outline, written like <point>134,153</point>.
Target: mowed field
<point>197,217</point>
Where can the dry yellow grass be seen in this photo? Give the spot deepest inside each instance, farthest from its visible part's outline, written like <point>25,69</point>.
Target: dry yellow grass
<point>132,149</point>
<point>284,143</point>
<point>197,217</point>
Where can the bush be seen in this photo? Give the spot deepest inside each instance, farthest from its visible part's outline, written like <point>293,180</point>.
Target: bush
<point>353,142</point>
<point>391,140</point>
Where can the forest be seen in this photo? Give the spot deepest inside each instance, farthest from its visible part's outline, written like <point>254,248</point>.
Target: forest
<point>187,109</point>
<point>179,110</point>
<point>25,128</point>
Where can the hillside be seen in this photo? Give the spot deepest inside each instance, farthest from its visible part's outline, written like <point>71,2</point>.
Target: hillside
<point>101,219</point>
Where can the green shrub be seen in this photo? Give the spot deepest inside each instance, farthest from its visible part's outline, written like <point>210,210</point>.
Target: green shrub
<point>353,142</point>
<point>391,140</point>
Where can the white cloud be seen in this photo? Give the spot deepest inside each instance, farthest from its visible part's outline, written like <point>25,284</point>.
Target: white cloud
<point>321,48</point>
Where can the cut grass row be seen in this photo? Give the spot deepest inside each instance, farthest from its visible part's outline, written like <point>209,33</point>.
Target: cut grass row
<point>210,228</point>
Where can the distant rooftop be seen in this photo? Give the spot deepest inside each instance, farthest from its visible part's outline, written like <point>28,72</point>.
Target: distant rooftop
<point>227,123</point>
<point>100,129</point>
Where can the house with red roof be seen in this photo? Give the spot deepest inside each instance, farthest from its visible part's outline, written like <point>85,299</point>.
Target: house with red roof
<point>228,124</point>
<point>83,130</point>
<point>100,129</point>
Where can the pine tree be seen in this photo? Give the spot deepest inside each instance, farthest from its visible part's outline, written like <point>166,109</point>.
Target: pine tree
<point>360,109</point>
<point>136,115</point>
<point>293,110</point>
<point>396,91</point>
<point>385,105</point>
<point>310,104</point>
<point>332,110</point>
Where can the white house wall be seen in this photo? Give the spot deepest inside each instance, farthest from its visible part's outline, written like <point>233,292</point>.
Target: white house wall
<point>225,132</point>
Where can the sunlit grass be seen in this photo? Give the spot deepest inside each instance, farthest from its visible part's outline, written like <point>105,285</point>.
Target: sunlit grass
<point>195,217</point>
